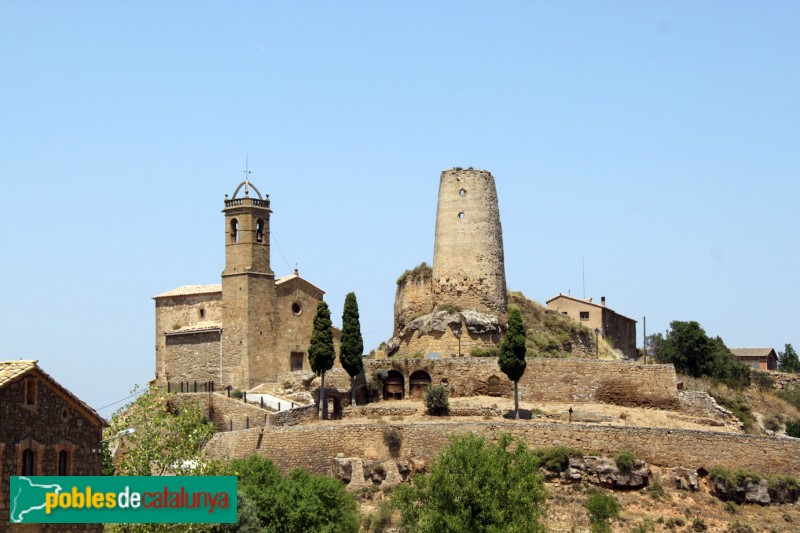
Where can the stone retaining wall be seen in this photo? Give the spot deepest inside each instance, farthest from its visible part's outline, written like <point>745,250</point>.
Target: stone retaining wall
<point>314,447</point>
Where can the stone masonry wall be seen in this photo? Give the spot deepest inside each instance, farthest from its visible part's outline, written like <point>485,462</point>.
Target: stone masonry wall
<point>313,447</point>
<point>412,299</point>
<point>50,425</point>
<point>468,261</point>
<point>554,380</point>
<point>192,357</point>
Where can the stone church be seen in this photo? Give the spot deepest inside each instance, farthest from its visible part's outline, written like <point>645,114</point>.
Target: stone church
<point>246,330</point>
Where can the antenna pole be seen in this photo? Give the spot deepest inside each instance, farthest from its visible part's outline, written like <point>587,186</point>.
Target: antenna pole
<point>583,276</point>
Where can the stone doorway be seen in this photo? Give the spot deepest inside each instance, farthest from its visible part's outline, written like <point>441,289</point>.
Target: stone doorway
<point>297,361</point>
<point>494,386</point>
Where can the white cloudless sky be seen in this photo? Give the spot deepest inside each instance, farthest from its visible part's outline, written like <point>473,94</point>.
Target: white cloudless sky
<point>656,142</point>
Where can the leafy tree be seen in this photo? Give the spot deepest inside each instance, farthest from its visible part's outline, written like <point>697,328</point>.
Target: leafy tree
<point>437,400</point>
<point>321,353</point>
<point>296,503</point>
<point>512,353</point>
<point>694,353</point>
<point>167,437</point>
<point>351,349</point>
<point>476,486</point>
<point>788,360</point>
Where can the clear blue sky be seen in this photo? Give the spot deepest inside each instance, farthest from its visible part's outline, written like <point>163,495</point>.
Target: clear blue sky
<point>656,141</point>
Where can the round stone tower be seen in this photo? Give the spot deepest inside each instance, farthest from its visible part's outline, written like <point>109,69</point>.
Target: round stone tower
<point>468,264</point>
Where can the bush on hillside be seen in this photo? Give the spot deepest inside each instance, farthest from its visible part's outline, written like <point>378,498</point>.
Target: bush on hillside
<point>437,401</point>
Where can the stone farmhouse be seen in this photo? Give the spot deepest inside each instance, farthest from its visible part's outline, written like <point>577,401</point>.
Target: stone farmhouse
<point>46,431</point>
<point>246,330</point>
<point>616,328</point>
<point>758,358</point>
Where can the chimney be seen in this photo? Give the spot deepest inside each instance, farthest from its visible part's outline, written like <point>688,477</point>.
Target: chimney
<point>603,301</point>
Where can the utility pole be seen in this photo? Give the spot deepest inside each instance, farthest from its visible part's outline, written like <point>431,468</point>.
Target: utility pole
<point>644,343</point>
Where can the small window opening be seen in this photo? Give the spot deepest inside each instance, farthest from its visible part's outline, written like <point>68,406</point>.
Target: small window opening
<point>462,192</point>
<point>202,313</point>
<point>461,215</point>
<point>584,315</point>
<point>259,230</point>
<point>297,308</point>
<point>63,463</point>
<point>64,414</point>
<point>30,392</point>
<point>28,461</point>
<point>234,230</point>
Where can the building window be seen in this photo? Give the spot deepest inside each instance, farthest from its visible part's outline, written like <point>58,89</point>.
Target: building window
<point>297,308</point>
<point>462,192</point>
<point>584,315</point>
<point>63,463</point>
<point>259,230</point>
<point>28,462</point>
<point>30,392</point>
<point>202,313</point>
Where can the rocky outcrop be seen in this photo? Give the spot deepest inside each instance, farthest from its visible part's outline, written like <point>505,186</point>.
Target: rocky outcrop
<point>604,471</point>
<point>480,322</point>
<point>439,321</point>
<point>749,491</point>
<point>685,478</point>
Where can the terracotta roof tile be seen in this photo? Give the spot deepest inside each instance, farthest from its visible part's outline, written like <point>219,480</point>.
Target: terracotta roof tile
<point>188,290</point>
<point>751,352</point>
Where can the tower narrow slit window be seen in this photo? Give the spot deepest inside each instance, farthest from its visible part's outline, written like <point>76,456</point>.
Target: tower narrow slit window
<point>28,462</point>
<point>63,463</point>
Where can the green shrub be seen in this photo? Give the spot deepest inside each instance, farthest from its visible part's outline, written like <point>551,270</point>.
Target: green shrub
<point>731,479</point>
<point>556,459</point>
<point>793,428</point>
<point>674,522</point>
<point>791,395</point>
<point>474,485</point>
<point>484,352</point>
<point>737,527</point>
<point>421,271</point>
<point>762,380</point>
<point>790,483</point>
<point>656,490</point>
<point>601,508</point>
<point>625,460</point>
<point>393,439</point>
<point>731,507</point>
<point>772,422</point>
<point>437,400</point>
<point>238,393</point>
<point>698,524</point>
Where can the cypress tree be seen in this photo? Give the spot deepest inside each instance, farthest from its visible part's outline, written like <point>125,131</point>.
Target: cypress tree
<point>321,353</point>
<point>512,353</point>
<point>352,346</point>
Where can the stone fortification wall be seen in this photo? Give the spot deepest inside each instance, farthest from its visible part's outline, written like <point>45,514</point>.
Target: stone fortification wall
<point>468,261</point>
<point>412,300</point>
<point>314,447</point>
<point>439,332</point>
<point>554,380</point>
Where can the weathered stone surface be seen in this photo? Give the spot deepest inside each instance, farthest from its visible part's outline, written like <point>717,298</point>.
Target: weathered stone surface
<point>392,346</point>
<point>439,322</point>
<point>752,491</point>
<point>480,322</point>
<point>313,446</point>
<point>700,404</point>
<point>685,478</point>
<point>604,471</point>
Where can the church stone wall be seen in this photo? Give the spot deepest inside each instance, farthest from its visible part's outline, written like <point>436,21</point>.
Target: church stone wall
<point>194,357</point>
<point>294,333</point>
<point>178,312</point>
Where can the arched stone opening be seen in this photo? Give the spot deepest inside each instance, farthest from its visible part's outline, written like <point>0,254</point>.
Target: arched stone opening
<point>393,386</point>
<point>418,382</point>
<point>494,386</point>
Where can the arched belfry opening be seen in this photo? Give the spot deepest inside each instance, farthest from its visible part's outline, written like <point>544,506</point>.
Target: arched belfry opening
<point>260,230</point>
<point>234,231</point>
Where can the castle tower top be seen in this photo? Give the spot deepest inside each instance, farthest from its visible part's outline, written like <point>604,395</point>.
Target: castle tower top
<point>468,261</point>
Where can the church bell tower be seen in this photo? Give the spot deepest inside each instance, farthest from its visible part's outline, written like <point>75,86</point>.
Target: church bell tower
<point>248,286</point>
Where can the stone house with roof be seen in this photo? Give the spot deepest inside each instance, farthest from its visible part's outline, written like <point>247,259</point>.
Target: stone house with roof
<point>247,329</point>
<point>758,358</point>
<point>45,430</point>
<point>618,329</point>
